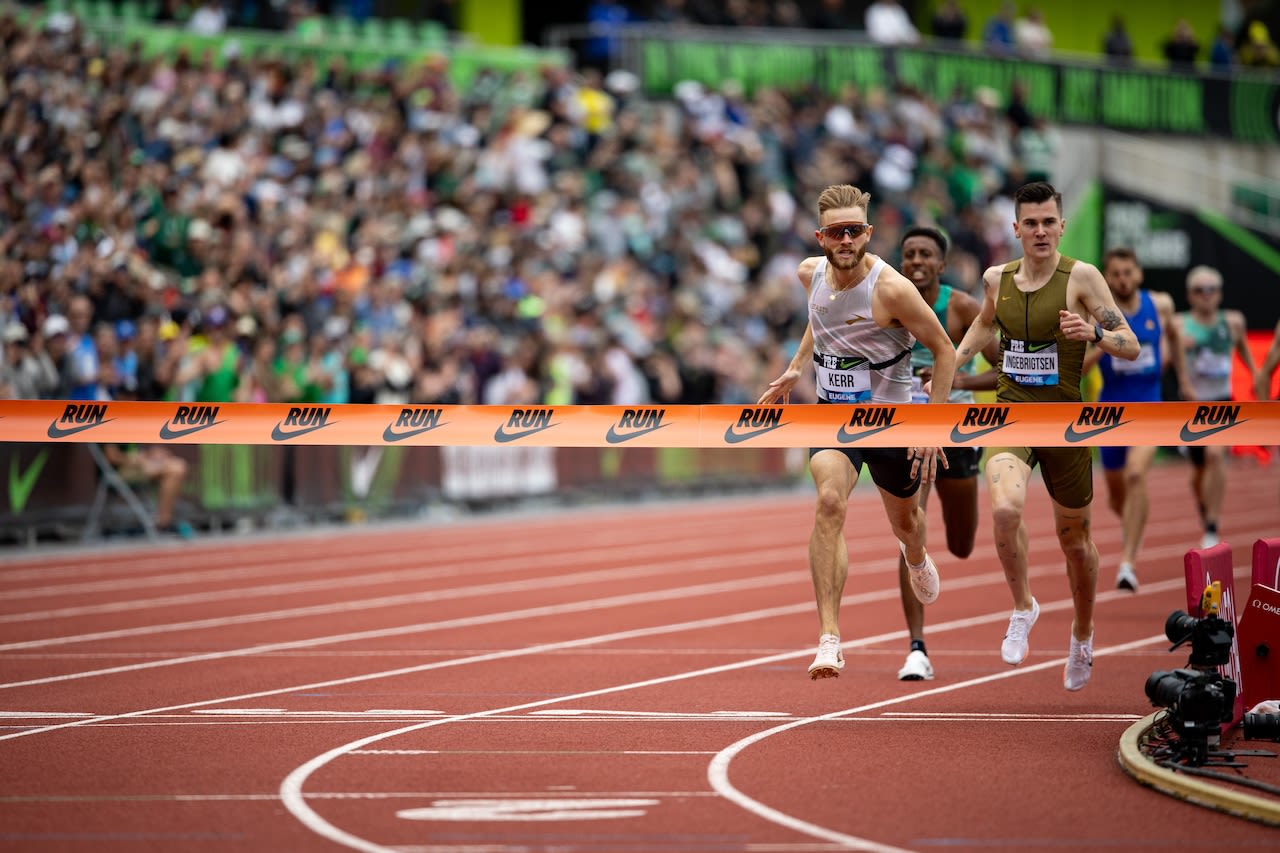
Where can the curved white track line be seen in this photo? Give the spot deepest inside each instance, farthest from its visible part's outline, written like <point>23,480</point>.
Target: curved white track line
<point>291,794</point>
<point>718,769</point>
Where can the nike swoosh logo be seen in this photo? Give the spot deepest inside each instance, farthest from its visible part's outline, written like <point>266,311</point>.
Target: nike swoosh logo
<point>739,437</point>
<point>169,434</point>
<point>854,320</point>
<point>56,431</point>
<point>389,436</point>
<point>1188,435</point>
<point>846,437</point>
<point>614,438</point>
<point>21,484</point>
<point>1072,434</point>
<point>958,437</point>
<point>502,437</point>
<point>278,434</point>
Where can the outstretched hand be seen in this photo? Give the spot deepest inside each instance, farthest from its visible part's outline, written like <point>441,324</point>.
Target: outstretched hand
<point>924,462</point>
<point>779,390</point>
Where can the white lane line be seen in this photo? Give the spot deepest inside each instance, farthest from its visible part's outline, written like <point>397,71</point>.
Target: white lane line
<point>666,715</point>
<point>347,795</point>
<point>784,578</point>
<point>487,590</point>
<point>660,568</point>
<point>718,769</point>
<point>590,605</point>
<point>698,624</point>
<point>428,566</point>
<point>283,712</point>
<point>1008,716</point>
<point>257,559</point>
<point>532,752</point>
<point>294,800</point>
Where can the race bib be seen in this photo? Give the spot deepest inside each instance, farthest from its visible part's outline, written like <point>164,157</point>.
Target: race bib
<point>1145,363</point>
<point>844,379</point>
<point>1214,365</point>
<point>1031,362</point>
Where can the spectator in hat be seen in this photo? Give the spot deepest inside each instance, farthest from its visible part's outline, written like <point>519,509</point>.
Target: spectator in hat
<point>19,372</point>
<point>50,349</point>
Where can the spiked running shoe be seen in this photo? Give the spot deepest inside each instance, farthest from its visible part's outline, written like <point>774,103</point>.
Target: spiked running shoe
<point>917,667</point>
<point>1126,578</point>
<point>924,580</point>
<point>830,659</point>
<point>1014,647</point>
<point>1079,663</point>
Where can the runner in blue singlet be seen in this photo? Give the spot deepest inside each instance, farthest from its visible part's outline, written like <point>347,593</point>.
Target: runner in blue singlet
<point>1151,316</point>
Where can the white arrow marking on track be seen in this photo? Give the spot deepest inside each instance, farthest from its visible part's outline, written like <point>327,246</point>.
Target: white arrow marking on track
<point>528,810</point>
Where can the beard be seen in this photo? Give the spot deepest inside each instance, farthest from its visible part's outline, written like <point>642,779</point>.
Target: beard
<point>842,265</point>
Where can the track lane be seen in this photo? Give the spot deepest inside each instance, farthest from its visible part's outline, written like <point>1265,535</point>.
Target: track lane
<point>482,684</point>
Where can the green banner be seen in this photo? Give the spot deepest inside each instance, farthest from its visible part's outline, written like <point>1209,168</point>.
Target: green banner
<point>1136,98</point>
<point>359,49</point>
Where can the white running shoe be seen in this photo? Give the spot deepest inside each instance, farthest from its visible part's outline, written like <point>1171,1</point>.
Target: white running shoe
<point>917,667</point>
<point>1014,647</point>
<point>924,581</point>
<point>1079,663</point>
<point>830,659</point>
<point>1126,578</point>
<point>1209,539</point>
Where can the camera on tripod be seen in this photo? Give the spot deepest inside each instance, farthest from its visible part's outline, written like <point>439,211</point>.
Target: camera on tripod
<point>1199,700</point>
<point>1210,637</point>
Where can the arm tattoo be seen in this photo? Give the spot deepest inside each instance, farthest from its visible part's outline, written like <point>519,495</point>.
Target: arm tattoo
<point>1111,320</point>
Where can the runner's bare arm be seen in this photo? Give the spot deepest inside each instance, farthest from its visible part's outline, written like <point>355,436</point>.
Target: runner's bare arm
<point>1172,346</point>
<point>1090,291</point>
<point>1240,335</point>
<point>779,390</point>
<point>982,331</point>
<point>967,308</point>
<point>1262,382</point>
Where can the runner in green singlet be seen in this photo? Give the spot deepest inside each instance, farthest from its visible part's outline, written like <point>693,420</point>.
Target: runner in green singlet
<point>924,258</point>
<point>1211,336</point>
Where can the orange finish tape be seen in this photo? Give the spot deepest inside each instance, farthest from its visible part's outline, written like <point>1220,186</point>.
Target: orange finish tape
<point>986,425</point>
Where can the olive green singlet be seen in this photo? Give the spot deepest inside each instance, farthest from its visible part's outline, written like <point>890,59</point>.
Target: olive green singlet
<point>1039,364</point>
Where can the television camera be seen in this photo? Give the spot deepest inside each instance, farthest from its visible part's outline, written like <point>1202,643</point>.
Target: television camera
<point>1199,700</point>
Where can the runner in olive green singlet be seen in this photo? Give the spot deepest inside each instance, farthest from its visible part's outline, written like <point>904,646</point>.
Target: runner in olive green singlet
<point>1047,308</point>
<point>1040,365</point>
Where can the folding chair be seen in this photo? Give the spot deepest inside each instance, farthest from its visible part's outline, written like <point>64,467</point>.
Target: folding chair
<point>109,480</point>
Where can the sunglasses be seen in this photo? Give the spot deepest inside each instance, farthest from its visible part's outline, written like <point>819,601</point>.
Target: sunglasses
<point>839,229</point>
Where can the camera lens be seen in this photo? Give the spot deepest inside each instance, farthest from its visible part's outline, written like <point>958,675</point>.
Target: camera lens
<point>1164,687</point>
<point>1262,727</point>
<point>1179,625</point>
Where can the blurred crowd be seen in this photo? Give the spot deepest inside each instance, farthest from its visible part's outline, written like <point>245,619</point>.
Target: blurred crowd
<point>252,231</point>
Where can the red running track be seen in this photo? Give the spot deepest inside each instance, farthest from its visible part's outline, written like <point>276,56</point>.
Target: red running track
<point>628,679</point>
